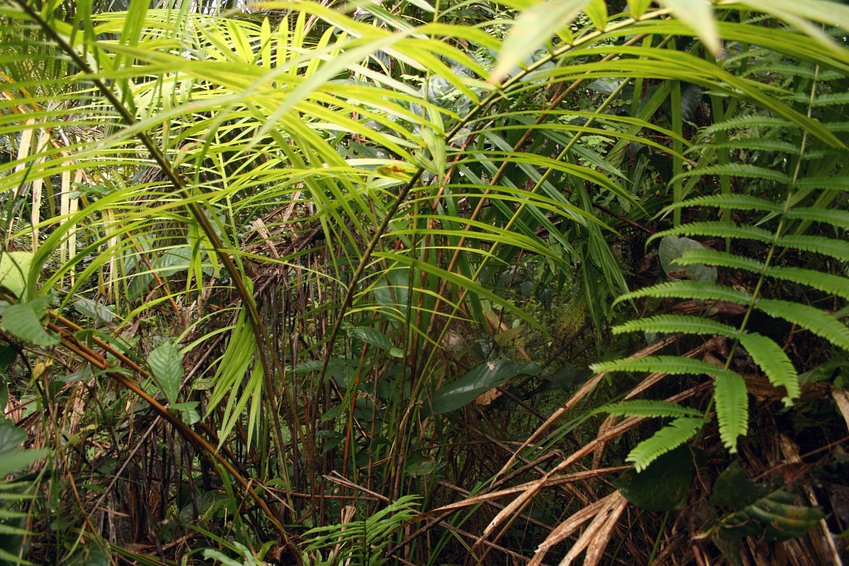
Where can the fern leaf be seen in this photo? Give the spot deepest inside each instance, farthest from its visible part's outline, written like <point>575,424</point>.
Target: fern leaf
<point>751,121</point>
<point>774,362</point>
<point>673,324</point>
<point>733,202</point>
<point>793,70</point>
<point>839,218</point>
<point>717,230</point>
<point>838,126</point>
<point>837,249</point>
<point>739,170</point>
<point>831,99</point>
<point>732,407</point>
<point>689,290</point>
<point>826,282</point>
<point>647,408</point>
<point>749,144</point>
<point>665,440</point>
<point>817,321</point>
<point>720,259</point>
<point>837,183</point>
<point>672,365</point>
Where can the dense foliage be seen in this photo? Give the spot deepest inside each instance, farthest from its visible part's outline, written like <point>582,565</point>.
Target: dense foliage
<point>424,283</point>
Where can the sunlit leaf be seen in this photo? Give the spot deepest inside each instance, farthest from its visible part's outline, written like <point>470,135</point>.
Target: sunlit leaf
<point>532,29</point>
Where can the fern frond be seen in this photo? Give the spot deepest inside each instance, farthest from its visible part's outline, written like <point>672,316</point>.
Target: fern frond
<point>733,202</point>
<point>751,121</point>
<point>672,365</point>
<point>665,440</point>
<point>699,290</point>
<point>774,362</point>
<point>717,230</point>
<point>838,127</point>
<point>836,183</point>
<point>830,99</point>
<point>826,282</point>
<point>647,408</point>
<point>732,407</point>
<point>719,258</point>
<point>837,249</point>
<point>749,144</point>
<point>817,321</point>
<point>673,324</point>
<point>839,218</point>
<point>739,170</point>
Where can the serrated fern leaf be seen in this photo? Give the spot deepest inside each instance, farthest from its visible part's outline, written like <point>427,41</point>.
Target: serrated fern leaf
<point>718,230</point>
<point>699,290</point>
<point>673,324</point>
<point>720,259</point>
<point>647,408</point>
<point>731,202</point>
<point>838,126</point>
<point>774,363</point>
<point>839,218</point>
<point>837,249</point>
<point>732,407</point>
<point>826,282</point>
<point>817,321</point>
<point>749,144</point>
<point>833,284</point>
<point>839,183</point>
<point>739,170</point>
<point>751,121</point>
<point>665,440</point>
<point>673,365</point>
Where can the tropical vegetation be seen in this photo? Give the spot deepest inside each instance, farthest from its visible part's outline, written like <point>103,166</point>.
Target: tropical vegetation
<point>424,282</point>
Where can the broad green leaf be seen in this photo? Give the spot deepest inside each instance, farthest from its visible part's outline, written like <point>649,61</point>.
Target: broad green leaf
<point>371,336</point>
<point>166,363</point>
<point>733,489</point>
<point>698,15</point>
<point>14,271</point>
<point>774,517</point>
<point>188,411</point>
<point>672,248</point>
<point>532,29</point>
<point>10,437</point>
<point>12,456</point>
<point>664,485</point>
<point>22,321</point>
<point>94,310</point>
<point>481,379</point>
